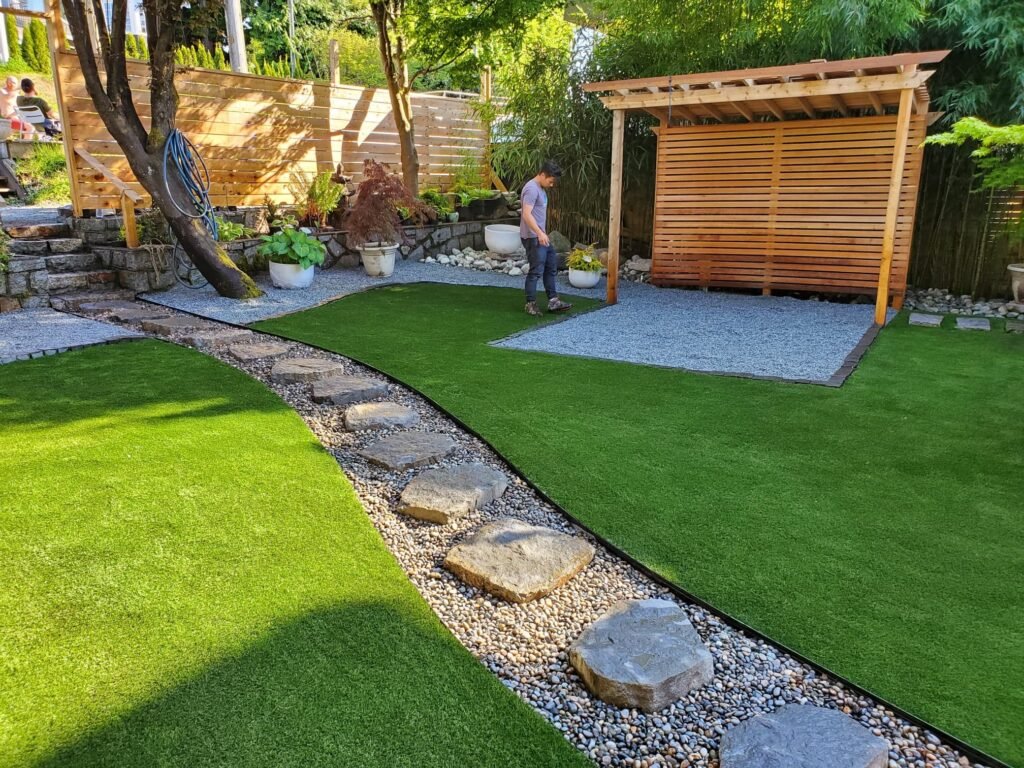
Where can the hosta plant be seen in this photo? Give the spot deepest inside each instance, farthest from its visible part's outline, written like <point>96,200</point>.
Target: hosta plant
<point>292,246</point>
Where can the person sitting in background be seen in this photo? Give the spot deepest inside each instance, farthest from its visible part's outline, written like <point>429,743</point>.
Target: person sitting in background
<point>9,98</point>
<point>30,98</point>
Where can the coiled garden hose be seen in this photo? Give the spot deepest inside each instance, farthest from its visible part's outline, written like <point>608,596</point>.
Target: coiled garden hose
<point>182,158</point>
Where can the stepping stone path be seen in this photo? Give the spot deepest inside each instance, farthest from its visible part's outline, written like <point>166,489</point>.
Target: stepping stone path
<point>973,324</point>
<point>137,314</point>
<point>105,306</point>
<point>441,495</point>
<point>217,338</point>
<point>516,561</point>
<point>802,736</point>
<point>168,325</point>
<point>931,321</point>
<point>379,416</point>
<point>296,369</point>
<point>342,390</point>
<point>249,352</point>
<point>405,450</point>
<point>642,654</point>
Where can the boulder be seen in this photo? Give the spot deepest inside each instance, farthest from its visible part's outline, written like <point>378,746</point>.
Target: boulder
<point>559,242</point>
<point>642,654</point>
<point>441,495</point>
<point>802,736</point>
<point>518,562</point>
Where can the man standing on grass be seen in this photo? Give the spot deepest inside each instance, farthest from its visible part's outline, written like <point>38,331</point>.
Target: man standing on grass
<point>533,232</point>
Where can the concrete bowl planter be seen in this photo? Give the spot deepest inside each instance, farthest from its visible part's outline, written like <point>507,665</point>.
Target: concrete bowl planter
<point>579,278</point>
<point>290,276</point>
<point>1016,281</point>
<point>379,258</point>
<point>502,238</point>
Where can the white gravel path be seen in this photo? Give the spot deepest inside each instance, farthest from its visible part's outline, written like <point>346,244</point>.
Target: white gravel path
<point>30,333</point>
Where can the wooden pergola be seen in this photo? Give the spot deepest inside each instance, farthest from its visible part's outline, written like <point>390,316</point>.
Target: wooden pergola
<point>800,177</point>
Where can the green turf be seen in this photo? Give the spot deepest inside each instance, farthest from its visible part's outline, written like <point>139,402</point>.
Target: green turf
<point>189,580</point>
<point>875,528</point>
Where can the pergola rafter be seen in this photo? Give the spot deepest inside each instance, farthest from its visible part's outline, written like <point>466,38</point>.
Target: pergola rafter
<point>785,219</point>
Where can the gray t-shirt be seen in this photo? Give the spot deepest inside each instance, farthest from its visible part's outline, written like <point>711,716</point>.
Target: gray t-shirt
<point>534,194</point>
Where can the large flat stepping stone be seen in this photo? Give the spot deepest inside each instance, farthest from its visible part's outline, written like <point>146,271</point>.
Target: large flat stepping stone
<point>220,337</point>
<point>441,495</point>
<point>973,324</point>
<point>342,390</point>
<point>518,562</point>
<point>405,450</point>
<point>137,314</point>
<point>930,321</point>
<point>643,654</point>
<point>1015,326</point>
<point>249,352</point>
<point>296,369</point>
<point>167,325</point>
<point>364,416</point>
<point>802,736</point>
<point>106,306</point>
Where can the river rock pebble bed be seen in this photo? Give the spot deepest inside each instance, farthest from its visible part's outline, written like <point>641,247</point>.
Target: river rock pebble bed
<point>941,301</point>
<point>526,645</point>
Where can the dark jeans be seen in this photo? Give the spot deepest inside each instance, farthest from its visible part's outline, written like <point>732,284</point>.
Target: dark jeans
<point>543,262</point>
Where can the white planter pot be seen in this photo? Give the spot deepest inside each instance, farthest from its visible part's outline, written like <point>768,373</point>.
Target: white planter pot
<point>502,238</point>
<point>578,278</point>
<point>1016,281</point>
<point>379,258</point>
<point>290,275</point>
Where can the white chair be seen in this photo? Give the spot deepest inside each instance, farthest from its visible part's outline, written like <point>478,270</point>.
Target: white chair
<point>33,116</point>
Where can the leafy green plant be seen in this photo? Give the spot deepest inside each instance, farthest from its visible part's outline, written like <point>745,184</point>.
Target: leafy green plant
<point>584,260</point>
<point>293,246</point>
<point>438,201</point>
<point>228,231</point>
<point>5,250</point>
<point>323,198</point>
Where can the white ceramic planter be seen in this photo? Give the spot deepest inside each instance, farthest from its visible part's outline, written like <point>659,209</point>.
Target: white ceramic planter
<point>502,238</point>
<point>379,258</point>
<point>578,278</point>
<point>290,275</point>
<point>1016,281</point>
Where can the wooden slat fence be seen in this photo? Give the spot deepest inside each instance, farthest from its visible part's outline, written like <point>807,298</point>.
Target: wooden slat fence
<point>788,205</point>
<point>258,133</point>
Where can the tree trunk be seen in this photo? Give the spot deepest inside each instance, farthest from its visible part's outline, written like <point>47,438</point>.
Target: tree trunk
<point>112,97</point>
<point>396,71</point>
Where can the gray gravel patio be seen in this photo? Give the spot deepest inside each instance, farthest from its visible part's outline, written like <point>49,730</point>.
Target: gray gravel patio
<point>765,336</point>
<point>30,333</point>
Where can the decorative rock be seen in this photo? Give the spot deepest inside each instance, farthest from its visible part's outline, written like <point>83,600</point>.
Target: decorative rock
<point>440,495</point>
<point>639,265</point>
<point>973,324</point>
<point>379,416</point>
<point>931,321</point>
<point>516,561</point>
<point>642,654</point>
<point>342,390</point>
<point>406,450</point>
<point>168,325</point>
<point>559,242</point>
<point>304,369</point>
<point>216,338</point>
<point>248,352</point>
<point>802,736</point>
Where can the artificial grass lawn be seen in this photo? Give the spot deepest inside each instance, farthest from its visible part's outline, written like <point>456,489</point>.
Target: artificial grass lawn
<point>189,580</point>
<point>875,528</point>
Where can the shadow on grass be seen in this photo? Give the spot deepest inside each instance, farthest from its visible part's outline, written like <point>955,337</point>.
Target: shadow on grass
<point>366,684</point>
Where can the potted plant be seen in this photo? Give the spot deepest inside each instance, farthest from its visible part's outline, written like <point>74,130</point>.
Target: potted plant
<point>292,255</point>
<point>584,267</point>
<point>374,223</point>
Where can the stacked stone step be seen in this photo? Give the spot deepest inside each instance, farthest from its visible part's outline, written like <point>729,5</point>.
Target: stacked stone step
<point>640,654</point>
<point>45,262</point>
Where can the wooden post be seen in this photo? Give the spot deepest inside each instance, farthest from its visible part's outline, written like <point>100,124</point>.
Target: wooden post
<point>131,228</point>
<point>55,38</point>
<point>236,35</point>
<point>334,62</point>
<point>615,205</point>
<point>899,156</point>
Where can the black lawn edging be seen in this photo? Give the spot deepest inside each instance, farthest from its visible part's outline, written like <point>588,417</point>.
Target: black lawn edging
<point>976,755</point>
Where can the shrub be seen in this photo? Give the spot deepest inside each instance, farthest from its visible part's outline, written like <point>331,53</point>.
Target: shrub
<point>584,260</point>
<point>438,201</point>
<point>322,199</point>
<point>293,246</point>
<point>375,214</point>
<point>228,231</point>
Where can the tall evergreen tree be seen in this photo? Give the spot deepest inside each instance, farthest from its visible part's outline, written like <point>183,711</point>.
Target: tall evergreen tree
<point>13,43</point>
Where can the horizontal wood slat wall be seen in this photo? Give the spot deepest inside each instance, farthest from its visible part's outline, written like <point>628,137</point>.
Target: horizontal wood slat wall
<point>255,132</point>
<point>794,205</point>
